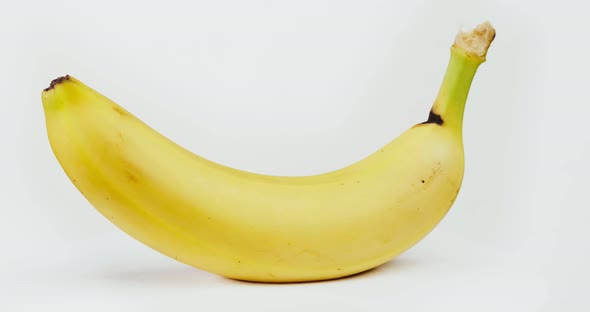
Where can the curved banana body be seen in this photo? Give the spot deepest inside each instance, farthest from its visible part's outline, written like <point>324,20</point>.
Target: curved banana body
<point>255,227</point>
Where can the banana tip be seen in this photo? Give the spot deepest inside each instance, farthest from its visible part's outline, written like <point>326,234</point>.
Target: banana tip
<point>56,81</point>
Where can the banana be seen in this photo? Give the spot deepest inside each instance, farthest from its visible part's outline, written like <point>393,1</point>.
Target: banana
<point>248,226</point>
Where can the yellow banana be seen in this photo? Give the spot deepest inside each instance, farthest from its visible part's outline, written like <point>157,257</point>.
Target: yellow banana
<point>256,227</point>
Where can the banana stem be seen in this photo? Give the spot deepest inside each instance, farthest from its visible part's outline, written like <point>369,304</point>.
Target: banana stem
<point>467,53</point>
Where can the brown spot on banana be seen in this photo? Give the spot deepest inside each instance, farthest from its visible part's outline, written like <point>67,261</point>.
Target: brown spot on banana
<point>122,112</point>
<point>435,171</point>
<point>130,172</point>
<point>131,177</point>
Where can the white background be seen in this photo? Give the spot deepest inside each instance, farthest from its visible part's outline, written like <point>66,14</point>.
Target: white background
<point>303,87</point>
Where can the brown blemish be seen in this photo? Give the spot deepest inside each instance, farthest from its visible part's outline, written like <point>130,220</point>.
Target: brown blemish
<point>57,81</point>
<point>120,111</point>
<point>436,169</point>
<point>131,177</point>
<point>131,172</point>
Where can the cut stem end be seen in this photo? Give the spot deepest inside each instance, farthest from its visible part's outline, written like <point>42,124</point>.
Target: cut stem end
<point>477,41</point>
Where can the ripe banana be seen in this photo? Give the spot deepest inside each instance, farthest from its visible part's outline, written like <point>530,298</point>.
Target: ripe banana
<point>256,227</point>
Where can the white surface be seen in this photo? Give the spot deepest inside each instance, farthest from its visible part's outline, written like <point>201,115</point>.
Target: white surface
<point>301,87</point>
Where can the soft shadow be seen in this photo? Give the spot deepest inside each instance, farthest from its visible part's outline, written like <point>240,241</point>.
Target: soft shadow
<point>178,276</point>
<point>188,276</point>
<point>389,268</point>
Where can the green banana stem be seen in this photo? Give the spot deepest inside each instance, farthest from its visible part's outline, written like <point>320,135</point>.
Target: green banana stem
<point>467,53</point>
